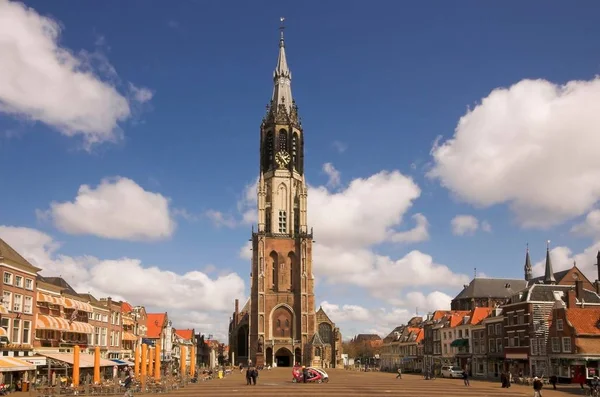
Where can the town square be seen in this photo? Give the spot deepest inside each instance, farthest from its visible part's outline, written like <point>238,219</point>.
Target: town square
<point>210,198</point>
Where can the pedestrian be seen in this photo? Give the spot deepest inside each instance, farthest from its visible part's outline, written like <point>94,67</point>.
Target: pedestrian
<point>553,381</point>
<point>466,378</point>
<point>537,387</point>
<point>254,375</point>
<point>399,373</point>
<point>248,376</point>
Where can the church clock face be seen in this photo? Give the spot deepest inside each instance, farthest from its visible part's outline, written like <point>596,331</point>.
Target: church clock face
<point>282,158</point>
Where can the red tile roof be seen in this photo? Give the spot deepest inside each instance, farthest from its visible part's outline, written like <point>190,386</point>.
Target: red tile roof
<point>585,321</point>
<point>478,314</point>
<point>456,317</point>
<point>187,334</point>
<point>420,335</point>
<point>155,324</point>
<point>126,307</point>
<point>438,314</point>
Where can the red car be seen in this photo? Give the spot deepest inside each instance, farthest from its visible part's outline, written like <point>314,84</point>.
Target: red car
<point>313,375</point>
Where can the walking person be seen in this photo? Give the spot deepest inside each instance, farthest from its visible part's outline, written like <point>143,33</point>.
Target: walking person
<point>248,376</point>
<point>466,378</point>
<point>254,375</point>
<point>537,387</point>
<point>399,373</point>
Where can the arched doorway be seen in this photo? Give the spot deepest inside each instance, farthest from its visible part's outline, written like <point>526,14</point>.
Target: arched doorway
<point>298,356</point>
<point>283,357</point>
<point>269,353</point>
<point>242,342</point>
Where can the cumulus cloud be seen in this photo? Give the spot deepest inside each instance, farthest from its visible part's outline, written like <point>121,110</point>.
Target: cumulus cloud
<point>563,258</point>
<point>118,208</point>
<point>333,175</point>
<point>246,251</point>
<point>189,297</point>
<point>220,219</point>
<point>45,82</point>
<point>464,224</point>
<point>590,226</point>
<point>355,319</point>
<point>533,146</point>
<point>417,234</point>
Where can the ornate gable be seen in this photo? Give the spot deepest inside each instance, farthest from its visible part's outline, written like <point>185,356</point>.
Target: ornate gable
<point>322,317</point>
<point>316,340</point>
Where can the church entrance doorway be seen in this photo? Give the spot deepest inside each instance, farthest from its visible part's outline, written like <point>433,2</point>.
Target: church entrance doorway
<point>242,343</point>
<point>283,357</point>
<point>269,356</point>
<point>298,356</point>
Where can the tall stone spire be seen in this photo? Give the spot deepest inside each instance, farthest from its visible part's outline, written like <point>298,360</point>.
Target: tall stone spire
<point>549,274</point>
<point>528,268</point>
<point>282,77</point>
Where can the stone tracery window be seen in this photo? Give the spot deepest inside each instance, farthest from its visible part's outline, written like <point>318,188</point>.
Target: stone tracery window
<point>325,332</point>
<point>282,140</point>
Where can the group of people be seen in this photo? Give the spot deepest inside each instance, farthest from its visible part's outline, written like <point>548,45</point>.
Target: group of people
<point>251,373</point>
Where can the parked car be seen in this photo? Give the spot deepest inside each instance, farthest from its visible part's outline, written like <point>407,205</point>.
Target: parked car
<point>452,372</point>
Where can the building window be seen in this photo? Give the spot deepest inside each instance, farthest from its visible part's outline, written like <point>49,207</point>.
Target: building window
<point>103,337</point>
<point>5,324</point>
<point>19,281</point>
<point>29,284</point>
<point>555,345</point>
<point>559,324</point>
<point>534,346</point>
<point>28,305</point>
<point>282,140</point>
<point>282,222</point>
<point>492,345</point>
<point>16,330</point>
<point>96,340</point>
<point>295,150</point>
<point>8,277</point>
<point>26,332</point>
<point>17,303</point>
<point>491,329</point>
<point>6,300</point>
<point>566,344</point>
<point>498,329</point>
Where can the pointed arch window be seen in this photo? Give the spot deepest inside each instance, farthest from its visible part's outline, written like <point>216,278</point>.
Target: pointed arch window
<point>268,151</point>
<point>282,222</point>
<point>295,150</point>
<point>282,140</point>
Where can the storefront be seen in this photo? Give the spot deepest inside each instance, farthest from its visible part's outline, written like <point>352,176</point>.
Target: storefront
<point>15,371</point>
<point>517,364</point>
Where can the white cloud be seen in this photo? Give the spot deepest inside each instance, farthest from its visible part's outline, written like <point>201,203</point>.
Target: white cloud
<point>464,224</point>
<point>590,226</point>
<point>355,319</point>
<point>333,175</point>
<point>247,205</point>
<point>246,251</point>
<point>220,219</point>
<point>532,145</point>
<point>341,147</point>
<point>486,227</point>
<point>563,257</point>
<point>118,208</point>
<point>44,82</point>
<point>141,94</point>
<point>417,234</point>
<point>188,297</point>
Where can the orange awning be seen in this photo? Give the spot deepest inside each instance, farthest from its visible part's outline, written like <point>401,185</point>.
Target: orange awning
<point>3,332</point>
<point>52,299</point>
<point>129,336</point>
<point>9,364</point>
<point>44,321</point>
<point>3,310</point>
<point>79,305</point>
<point>128,321</point>
<point>81,328</point>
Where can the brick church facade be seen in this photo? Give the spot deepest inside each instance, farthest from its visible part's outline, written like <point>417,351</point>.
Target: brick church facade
<point>279,324</point>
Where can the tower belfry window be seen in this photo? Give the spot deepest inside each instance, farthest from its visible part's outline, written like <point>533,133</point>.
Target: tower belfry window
<point>295,150</point>
<point>268,151</point>
<point>282,222</point>
<point>282,141</point>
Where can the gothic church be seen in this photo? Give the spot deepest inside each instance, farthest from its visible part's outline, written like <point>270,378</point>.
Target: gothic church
<point>279,326</point>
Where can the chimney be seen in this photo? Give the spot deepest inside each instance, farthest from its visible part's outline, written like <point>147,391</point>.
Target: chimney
<point>579,289</point>
<point>571,299</point>
<point>237,306</point>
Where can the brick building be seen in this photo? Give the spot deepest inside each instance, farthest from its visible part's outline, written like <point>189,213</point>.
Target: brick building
<point>18,306</point>
<point>281,326</point>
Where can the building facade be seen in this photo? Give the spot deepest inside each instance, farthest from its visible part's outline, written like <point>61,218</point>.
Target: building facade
<point>281,326</point>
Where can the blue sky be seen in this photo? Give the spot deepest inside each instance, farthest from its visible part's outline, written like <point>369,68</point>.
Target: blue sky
<point>157,110</point>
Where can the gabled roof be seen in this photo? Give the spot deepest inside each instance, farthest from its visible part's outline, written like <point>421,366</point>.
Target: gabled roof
<point>585,321</point>
<point>491,288</point>
<point>455,318</point>
<point>321,312</point>
<point>545,293</point>
<point>246,308</point>
<point>420,335</point>
<point>187,334</point>
<point>557,275</point>
<point>478,314</point>
<point>126,307</point>
<point>316,340</point>
<point>155,323</point>
<point>59,282</point>
<point>438,314</point>
<point>9,253</point>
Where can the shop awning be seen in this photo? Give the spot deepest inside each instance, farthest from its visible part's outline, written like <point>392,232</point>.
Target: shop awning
<point>44,321</point>
<point>120,362</point>
<point>81,328</point>
<point>52,299</point>
<point>9,364</point>
<point>127,321</point>
<point>79,305</point>
<point>3,309</point>
<point>129,336</point>
<point>460,343</point>
<point>85,360</point>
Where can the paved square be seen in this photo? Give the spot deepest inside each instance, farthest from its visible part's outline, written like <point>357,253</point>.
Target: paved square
<point>350,383</point>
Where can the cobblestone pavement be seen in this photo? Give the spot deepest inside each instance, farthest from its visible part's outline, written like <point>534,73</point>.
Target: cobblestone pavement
<point>350,383</point>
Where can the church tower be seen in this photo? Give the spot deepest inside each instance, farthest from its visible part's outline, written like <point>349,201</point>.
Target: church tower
<point>278,325</point>
<point>282,303</point>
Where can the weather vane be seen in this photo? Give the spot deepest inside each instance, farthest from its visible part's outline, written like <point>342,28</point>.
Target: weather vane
<point>281,25</point>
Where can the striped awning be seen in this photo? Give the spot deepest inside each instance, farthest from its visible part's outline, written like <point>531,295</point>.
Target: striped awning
<point>3,309</point>
<point>44,321</point>
<point>52,299</point>
<point>9,364</point>
<point>129,336</point>
<point>79,305</point>
<point>81,328</point>
<point>128,321</point>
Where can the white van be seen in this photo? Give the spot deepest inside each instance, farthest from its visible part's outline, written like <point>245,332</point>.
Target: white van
<point>452,372</point>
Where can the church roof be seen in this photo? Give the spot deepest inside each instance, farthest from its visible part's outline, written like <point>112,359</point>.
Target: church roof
<point>316,340</point>
<point>321,313</point>
<point>491,288</point>
<point>9,253</point>
<point>282,79</point>
<point>246,308</point>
